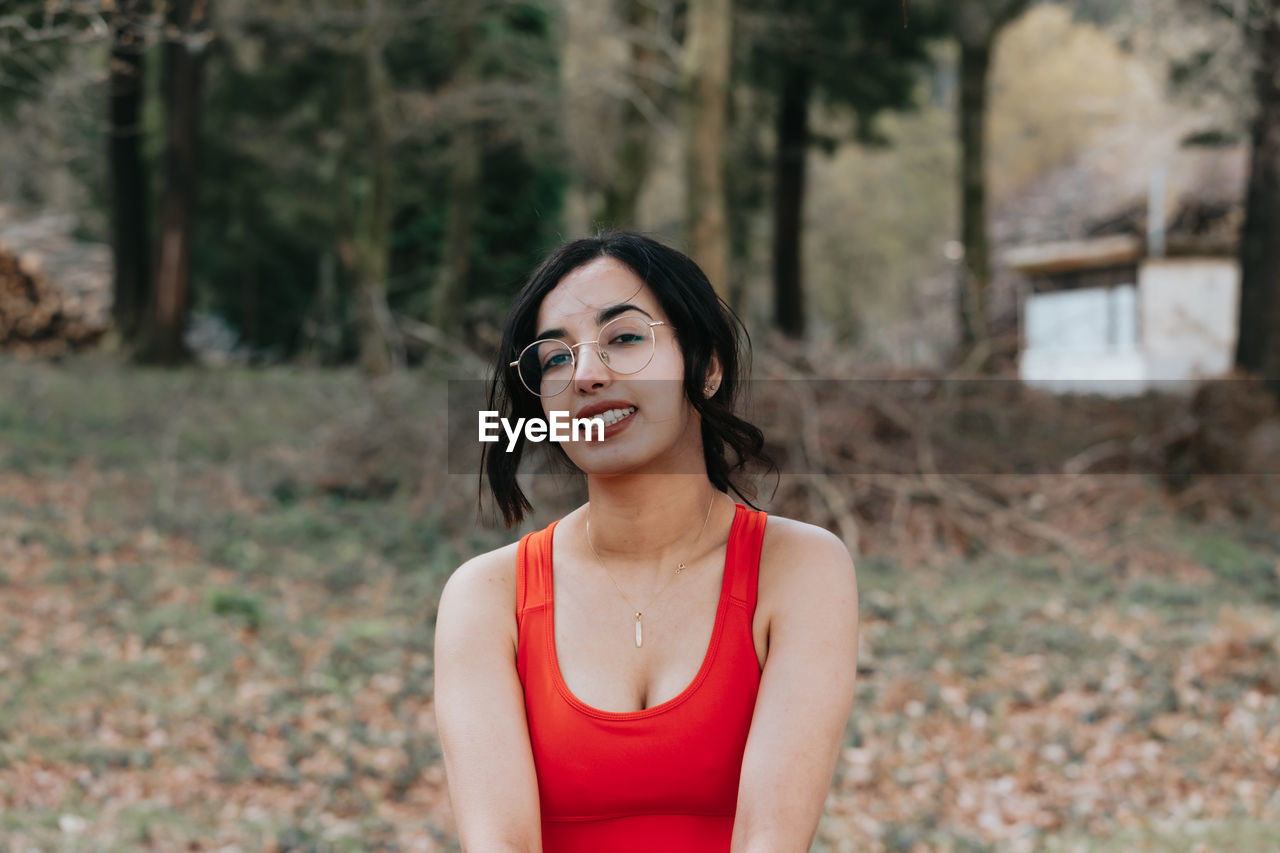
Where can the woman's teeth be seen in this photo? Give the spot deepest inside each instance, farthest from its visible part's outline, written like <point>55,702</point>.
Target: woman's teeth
<point>612,416</point>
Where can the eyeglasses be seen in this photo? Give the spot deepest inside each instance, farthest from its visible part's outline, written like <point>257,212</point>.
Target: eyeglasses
<point>625,345</point>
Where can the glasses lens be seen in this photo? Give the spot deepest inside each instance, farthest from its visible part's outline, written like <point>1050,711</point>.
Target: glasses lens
<point>626,344</point>
<point>546,367</point>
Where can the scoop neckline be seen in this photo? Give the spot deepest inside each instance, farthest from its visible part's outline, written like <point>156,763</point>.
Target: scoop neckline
<point>717,629</point>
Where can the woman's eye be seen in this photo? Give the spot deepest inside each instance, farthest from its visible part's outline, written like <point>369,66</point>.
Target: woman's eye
<point>626,338</point>
<point>557,360</point>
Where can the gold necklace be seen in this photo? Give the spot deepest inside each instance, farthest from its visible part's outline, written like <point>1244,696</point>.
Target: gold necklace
<point>679,568</point>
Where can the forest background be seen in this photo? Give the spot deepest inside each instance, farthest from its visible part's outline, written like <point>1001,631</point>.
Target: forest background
<point>244,248</point>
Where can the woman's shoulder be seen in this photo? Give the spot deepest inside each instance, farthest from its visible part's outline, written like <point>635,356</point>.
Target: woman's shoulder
<point>483,589</point>
<point>798,559</point>
<point>490,577</point>
<point>491,564</point>
<point>789,537</point>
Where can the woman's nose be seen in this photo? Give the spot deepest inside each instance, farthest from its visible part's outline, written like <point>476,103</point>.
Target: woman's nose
<point>591,367</point>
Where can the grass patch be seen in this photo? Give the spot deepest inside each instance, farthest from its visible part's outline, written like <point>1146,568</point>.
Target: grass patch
<point>1237,564</point>
<point>1232,834</point>
<point>277,636</point>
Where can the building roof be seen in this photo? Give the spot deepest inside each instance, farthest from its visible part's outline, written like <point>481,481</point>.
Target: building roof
<point>1104,192</point>
<point>1069,255</point>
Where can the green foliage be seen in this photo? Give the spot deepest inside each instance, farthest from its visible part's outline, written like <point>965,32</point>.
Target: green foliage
<point>34,38</point>
<point>53,107</point>
<point>859,55</point>
<point>240,604</point>
<point>1237,564</point>
<point>856,60</point>
<point>284,166</point>
<point>520,203</point>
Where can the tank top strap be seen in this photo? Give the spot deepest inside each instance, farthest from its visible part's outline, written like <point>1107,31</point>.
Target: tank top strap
<point>533,556</point>
<point>743,557</point>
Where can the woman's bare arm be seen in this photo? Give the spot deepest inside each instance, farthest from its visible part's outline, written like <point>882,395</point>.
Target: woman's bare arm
<point>480,711</point>
<point>806,694</point>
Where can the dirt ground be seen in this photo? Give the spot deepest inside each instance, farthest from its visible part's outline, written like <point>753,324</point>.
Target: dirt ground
<point>217,593</point>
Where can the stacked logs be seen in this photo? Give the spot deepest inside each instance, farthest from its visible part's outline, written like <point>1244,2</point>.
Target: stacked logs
<point>55,292</point>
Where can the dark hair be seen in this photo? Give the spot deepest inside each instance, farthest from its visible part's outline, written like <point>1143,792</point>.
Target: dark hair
<point>704,325</point>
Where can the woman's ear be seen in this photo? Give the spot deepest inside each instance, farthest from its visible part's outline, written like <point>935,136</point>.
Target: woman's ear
<point>714,374</point>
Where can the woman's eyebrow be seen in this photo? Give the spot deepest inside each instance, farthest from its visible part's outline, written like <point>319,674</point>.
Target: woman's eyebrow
<point>603,317</point>
<point>549,333</point>
<point>609,313</point>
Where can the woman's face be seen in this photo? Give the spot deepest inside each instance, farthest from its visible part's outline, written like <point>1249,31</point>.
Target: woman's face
<point>652,426</point>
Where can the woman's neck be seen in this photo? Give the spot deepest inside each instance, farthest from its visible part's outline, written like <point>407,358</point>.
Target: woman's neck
<point>643,521</point>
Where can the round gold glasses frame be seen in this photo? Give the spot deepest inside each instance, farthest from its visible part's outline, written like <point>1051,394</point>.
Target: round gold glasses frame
<point>573,349</point>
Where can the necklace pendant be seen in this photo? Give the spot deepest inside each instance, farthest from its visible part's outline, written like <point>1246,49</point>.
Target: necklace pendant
<point>680,568</point>
<point>639,636</point>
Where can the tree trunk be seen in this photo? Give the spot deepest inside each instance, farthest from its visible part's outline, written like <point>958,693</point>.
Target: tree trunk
<point>706,88</point>
<point>455,269</point>
<point>788,203</point>
<point>129,186</point>
<point>622,195</point>
<point>1258,343</point>
<point>186,26</point>
<point>381,347</point>
<point>971,290</point>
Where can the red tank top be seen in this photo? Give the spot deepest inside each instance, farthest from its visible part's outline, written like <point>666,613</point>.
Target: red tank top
<point>660,779</point>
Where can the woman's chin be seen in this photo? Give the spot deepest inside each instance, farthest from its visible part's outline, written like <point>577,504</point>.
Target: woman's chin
<point>606,461</point>
<point>620,454</point>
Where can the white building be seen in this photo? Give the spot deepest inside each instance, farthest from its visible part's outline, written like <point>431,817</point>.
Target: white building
<point>1123,264</point>
<point>1096,317</point>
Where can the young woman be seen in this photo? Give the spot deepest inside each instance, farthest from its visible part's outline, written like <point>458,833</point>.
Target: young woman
<point>660,670</point>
